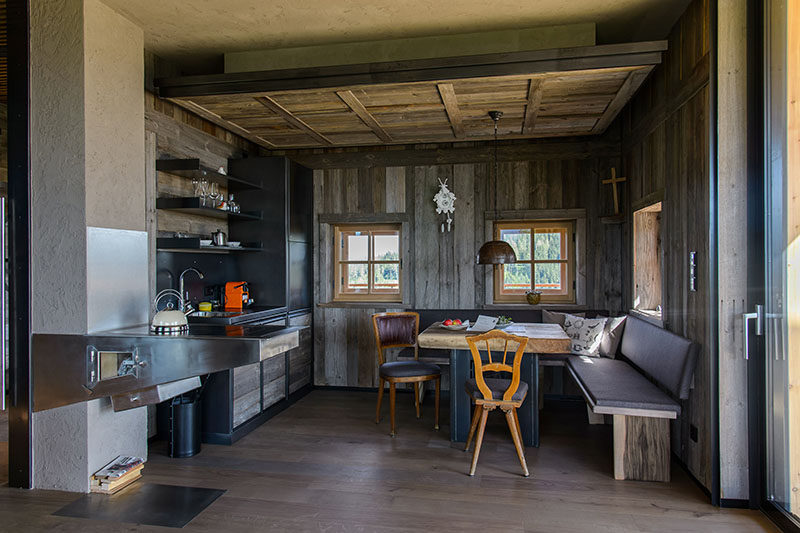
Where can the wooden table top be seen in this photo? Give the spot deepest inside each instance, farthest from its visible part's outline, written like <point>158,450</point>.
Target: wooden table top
<point>542,338</point>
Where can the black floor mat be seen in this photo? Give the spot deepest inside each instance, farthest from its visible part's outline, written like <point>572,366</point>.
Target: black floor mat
<point>144,503</point>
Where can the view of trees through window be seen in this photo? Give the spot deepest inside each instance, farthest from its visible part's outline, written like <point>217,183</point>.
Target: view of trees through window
<point>542,258</point>
<point>369,261</point>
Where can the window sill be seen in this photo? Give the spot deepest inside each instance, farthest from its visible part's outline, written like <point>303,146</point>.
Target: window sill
<point>515,305</point>
<point>653,317</point>
<point>363,305</point>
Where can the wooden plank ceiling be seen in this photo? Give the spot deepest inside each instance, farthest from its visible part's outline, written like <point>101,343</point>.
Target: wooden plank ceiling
<point>543,104</point>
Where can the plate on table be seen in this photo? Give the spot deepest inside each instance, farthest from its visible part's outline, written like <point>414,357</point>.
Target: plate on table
<point>503,322</point>
<point>456,327</point>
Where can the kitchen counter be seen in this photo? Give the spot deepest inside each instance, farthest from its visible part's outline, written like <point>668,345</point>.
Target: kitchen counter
<point>74,368</point>
<point>202,331</point>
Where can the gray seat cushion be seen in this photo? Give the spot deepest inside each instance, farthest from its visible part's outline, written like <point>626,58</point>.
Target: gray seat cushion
<point>666,357</point>
<point>615,383</point>
<point>498,386</point>
<point>408,369</point>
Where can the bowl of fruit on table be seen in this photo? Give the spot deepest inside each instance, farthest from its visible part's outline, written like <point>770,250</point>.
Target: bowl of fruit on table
<point>503,322</point>
<point>455,324</point>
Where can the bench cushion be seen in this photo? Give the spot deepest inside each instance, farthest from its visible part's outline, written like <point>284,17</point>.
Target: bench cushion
<point>407,369</point>
<point>615,383</point>
<point>666,357</point>
<point>498,386</point>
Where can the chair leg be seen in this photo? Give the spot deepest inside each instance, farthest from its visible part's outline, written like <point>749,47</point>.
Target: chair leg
<point>416,397</point>
<point>421,393</point>
<point>516,422</point>
<point>473,426</point>
<point>391,406</point>
<point>436,404</point>
<point>479,441</point>
<point>515,435</point>
<point>380,399</point>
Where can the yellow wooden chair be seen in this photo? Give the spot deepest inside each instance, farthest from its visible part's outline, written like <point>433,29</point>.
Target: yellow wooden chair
<point>491,393</point>
<point>400,330</point>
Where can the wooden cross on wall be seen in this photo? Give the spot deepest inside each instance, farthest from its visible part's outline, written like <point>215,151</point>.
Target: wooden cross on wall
<point>613,180</point>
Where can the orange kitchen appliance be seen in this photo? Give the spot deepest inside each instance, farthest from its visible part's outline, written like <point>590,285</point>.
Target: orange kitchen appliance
<point>236,294</point>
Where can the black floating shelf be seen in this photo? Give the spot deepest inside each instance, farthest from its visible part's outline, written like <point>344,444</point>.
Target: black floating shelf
<point>192,245</point>
<point>192,205</point>
<point>191,168</point>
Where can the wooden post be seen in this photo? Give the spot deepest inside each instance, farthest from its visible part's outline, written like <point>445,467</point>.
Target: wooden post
<point>641,448</point>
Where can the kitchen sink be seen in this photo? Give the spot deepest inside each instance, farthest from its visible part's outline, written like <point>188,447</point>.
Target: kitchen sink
<point>214,314</point>
<point>231,317</point>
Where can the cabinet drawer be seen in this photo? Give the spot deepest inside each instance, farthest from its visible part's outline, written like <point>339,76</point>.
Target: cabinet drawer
<point>274,380</point>
<point>300,362</point>
<point>246,393</point>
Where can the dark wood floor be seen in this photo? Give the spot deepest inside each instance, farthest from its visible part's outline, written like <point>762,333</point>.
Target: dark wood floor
<point>322,465</point>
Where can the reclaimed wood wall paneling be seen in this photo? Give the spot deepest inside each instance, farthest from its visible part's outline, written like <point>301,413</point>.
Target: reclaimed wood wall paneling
<point>665,148</point>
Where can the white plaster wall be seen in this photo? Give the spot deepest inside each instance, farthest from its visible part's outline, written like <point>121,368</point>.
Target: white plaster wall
<point>87,159</point>
<point>115,200</point>
<point>114,102</point>
<point>111,434</point>
<point>58,245</point>
<point>732,89</point>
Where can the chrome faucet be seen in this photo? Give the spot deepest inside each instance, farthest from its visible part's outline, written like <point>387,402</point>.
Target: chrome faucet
<point>184,293</point>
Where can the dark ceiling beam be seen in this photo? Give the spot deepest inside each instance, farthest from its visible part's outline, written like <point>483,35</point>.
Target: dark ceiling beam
<point>515,63</point>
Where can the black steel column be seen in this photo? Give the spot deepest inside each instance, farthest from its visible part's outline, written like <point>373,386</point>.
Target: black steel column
<point>19,193</point>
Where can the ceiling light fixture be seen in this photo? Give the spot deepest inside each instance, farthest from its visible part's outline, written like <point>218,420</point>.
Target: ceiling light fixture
<point>496,252</point>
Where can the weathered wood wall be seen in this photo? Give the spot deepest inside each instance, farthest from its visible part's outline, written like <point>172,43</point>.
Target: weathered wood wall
<point>665,131</point>
<point>439,268</point>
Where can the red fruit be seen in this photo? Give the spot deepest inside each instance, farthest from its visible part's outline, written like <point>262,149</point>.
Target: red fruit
<point>457,322</point>
<point>448,322</point>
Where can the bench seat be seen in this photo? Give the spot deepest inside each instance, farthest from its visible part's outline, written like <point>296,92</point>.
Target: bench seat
<point>612,386</point>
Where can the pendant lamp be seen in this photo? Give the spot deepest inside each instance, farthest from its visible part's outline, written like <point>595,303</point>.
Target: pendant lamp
<point>496,252</point>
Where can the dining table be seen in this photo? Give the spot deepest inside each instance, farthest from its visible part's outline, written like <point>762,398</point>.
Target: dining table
<point>542,339</point>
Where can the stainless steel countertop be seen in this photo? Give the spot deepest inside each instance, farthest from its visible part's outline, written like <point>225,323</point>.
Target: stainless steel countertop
<point>64,371</point>
<point>204,331</point>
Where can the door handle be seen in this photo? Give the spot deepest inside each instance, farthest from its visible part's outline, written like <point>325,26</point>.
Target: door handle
<point>758,316</point>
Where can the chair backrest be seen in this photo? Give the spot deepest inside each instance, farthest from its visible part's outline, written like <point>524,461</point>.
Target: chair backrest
<point>395,330</point>
<point>497,338</point>
<point>666,357</point>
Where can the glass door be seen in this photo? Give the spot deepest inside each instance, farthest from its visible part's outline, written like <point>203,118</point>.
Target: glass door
<point>779,319</point>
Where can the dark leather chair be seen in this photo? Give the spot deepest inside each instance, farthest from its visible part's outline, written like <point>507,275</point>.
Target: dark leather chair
<point>400,330</point>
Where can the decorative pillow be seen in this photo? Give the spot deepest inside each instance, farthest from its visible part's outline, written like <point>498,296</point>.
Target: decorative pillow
<point>612,336</point>
<point>552,317</point>
<point>586,334</point>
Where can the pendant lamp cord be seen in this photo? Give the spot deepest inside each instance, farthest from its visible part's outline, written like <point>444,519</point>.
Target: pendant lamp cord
<point>495,167</point>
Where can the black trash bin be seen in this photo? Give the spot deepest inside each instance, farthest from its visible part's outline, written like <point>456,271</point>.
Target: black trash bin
<point>183,431</point>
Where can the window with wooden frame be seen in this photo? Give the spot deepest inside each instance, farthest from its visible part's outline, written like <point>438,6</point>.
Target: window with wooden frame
<point>367,262</point>
<point>545,261</point>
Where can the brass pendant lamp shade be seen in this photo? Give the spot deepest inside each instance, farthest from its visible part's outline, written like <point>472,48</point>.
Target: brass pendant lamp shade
<point>496,252</point>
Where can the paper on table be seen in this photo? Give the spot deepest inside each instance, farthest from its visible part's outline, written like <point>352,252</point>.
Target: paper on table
<point>483,324</point>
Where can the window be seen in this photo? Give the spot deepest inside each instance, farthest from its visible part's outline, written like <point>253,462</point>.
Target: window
<point>367,262</point>
<point>545,261</point>
<point>647,254</point>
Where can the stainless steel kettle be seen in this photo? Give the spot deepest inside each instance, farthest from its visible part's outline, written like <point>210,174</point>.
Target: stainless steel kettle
<point>219,238</point>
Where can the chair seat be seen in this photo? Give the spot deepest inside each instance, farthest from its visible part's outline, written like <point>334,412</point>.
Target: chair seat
<point>498,387</point>
<point>408,369</point>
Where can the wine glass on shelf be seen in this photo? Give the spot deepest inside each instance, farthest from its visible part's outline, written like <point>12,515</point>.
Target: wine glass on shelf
<point>203,192</point>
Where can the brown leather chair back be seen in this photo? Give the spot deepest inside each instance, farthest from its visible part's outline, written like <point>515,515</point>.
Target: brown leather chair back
<point>395,330</point>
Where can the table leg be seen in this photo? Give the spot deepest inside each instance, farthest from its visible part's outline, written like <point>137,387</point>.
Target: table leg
<point>459,401</point>
<point>528,412</point>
